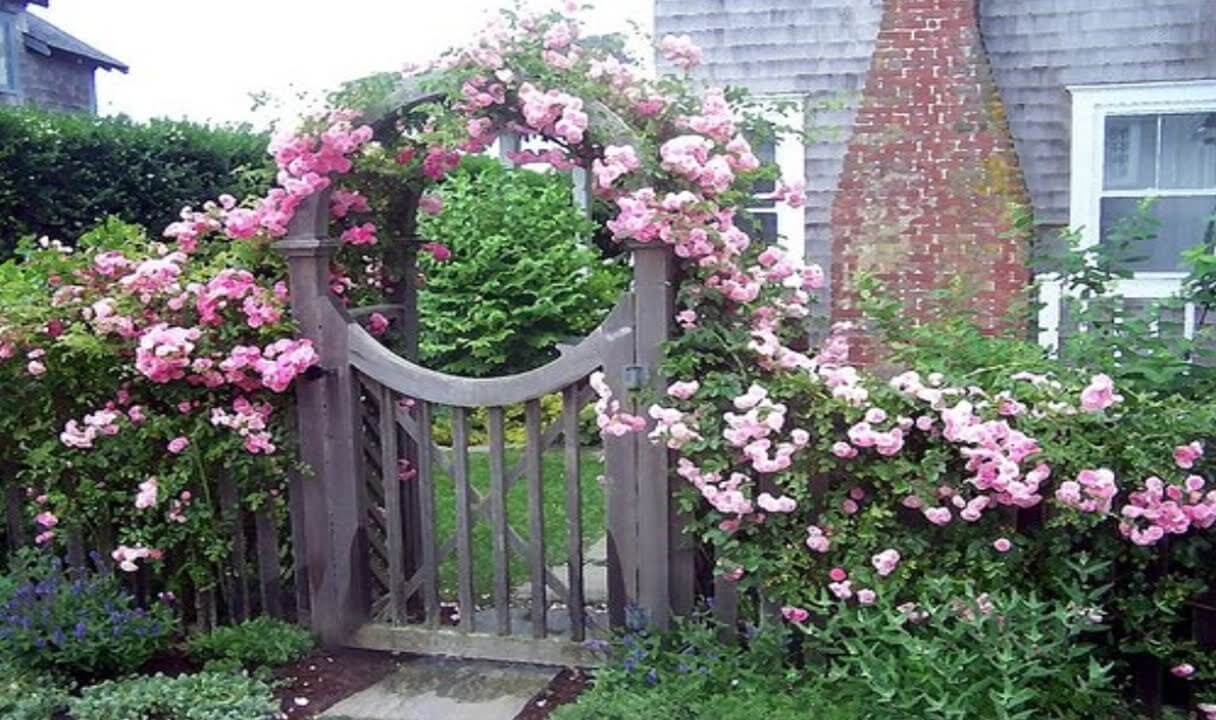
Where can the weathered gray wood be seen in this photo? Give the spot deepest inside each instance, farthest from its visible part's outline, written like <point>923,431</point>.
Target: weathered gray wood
<point>536,518</point>
<point>498,522</point>
<point>464,525</point>
<point>394,524</point>
<point>336,521</point>
<point>14,510</point>
<point>238,597</point>
<point>296,508</point>
<point>270,588</point>
<point>726,608</point>
<point>620,475</point>
<point>407,378</point>
<point>76,554</point>
<point>666,575</point>
<point>362,312</point>
<point>512,648</point>
<point>574,513</point>
<point>426,519</point>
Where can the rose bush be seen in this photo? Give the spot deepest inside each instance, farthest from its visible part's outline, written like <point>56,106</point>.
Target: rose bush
<point>818,484</point>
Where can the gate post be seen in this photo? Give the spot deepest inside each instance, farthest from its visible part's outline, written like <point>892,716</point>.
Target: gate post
<point>666,556</point>
<point>333,529</point>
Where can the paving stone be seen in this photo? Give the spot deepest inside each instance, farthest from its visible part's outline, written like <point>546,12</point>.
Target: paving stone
<point>447,689</point>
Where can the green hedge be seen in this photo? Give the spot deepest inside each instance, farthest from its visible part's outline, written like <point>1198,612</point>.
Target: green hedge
<point>61,174</point>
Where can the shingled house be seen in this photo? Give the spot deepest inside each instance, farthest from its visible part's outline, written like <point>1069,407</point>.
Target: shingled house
<point>931,116</point>
<point>43,65</point>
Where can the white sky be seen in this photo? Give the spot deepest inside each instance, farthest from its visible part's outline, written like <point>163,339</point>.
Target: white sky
<point>202,59</point>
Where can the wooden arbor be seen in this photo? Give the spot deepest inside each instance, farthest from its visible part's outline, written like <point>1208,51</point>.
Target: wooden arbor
<point>367,548</point>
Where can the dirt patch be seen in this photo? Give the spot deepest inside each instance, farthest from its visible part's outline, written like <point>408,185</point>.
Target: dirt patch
<point>309,687</point>
<point>564,689</point>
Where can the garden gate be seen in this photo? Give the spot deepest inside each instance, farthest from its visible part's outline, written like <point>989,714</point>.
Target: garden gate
<point>368,545</point>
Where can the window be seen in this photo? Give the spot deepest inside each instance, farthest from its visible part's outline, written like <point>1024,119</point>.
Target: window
<point>776,222</point>
<point>7,53</point>
<point>1131,143</point>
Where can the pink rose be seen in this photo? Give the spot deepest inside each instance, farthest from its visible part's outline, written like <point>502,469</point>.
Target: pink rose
<point>1002,545</point>
<point>1185,456</point>
<point>178,445</point>
<point>795,614</point>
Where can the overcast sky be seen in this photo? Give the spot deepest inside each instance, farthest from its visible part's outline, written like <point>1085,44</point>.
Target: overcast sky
<point>201,59</point>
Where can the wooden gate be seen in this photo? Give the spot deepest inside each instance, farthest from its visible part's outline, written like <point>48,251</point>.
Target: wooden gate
<point>369,545</point>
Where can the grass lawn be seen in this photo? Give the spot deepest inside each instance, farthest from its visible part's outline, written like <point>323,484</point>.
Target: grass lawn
<point>554,478</point>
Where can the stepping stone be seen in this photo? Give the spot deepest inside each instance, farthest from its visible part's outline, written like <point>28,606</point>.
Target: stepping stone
<point>428,688</point>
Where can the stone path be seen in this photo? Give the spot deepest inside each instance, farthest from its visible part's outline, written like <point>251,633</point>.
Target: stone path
<point>447,689</point>
<point>429,688</point>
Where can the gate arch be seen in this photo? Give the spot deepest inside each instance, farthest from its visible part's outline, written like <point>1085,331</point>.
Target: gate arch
<point>369,576</point>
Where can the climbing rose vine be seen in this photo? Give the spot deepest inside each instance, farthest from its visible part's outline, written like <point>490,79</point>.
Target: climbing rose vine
<point>819,484</point>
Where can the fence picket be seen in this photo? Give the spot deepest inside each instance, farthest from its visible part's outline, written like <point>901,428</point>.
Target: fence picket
<point>536,517</point>
<point>230,511</point>
<point>574,512</point>
<point>14,513</point>
<point>464,526</point>
<point>270,589</point>
<point>498,522</point>
<point>426,501</point>
<point>394,535</point>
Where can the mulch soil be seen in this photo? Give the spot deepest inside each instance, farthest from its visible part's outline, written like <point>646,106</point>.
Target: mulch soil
<point>316,683</point>
<point>564,689</point>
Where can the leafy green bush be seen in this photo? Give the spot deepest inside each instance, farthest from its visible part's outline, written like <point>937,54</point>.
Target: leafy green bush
<point>522,278</point>
<point>205,696</point>
<point>254,643</point>
<point>29,696</point>
<point>80,623</point>
<point>953,653</point>
<point>62,174</point>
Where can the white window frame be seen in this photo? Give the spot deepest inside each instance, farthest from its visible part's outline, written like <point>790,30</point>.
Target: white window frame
<point>790,156</point>
<point>1091,105</point>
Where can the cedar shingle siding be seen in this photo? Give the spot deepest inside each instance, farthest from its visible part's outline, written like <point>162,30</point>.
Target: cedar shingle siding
<point>53,69</point>
<point>824,50</point>
<point>1038,47</point>
<point>820,50</point>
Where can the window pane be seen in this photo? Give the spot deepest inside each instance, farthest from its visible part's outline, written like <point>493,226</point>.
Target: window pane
<point>1131,149</point>
<point>1185,222</point>
<point>761,225</point>
<point>767,152</point>
<point>1188,151</point>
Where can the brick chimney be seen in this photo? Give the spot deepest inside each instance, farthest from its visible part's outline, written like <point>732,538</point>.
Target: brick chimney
<point>930,172</point>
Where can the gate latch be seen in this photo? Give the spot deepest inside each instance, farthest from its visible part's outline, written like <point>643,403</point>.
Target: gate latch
<point>635,377</point>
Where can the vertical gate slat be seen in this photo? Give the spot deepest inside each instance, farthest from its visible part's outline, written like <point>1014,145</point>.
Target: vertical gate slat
<point>269,571</point>
<point>498,520</point>
<point>394,524</point>
<point>426,503</point>
<point>536,518</point>
<point>574,512</point>
<point>464,525</point>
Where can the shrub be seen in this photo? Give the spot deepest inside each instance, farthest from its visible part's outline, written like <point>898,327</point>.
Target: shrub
<point>951,654</point>
<point>205,696</point>
<point>29,696</point>
<point>522,277</point>
<point>77,622</point>
<point>254,643</point>
<point>81,169</point>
